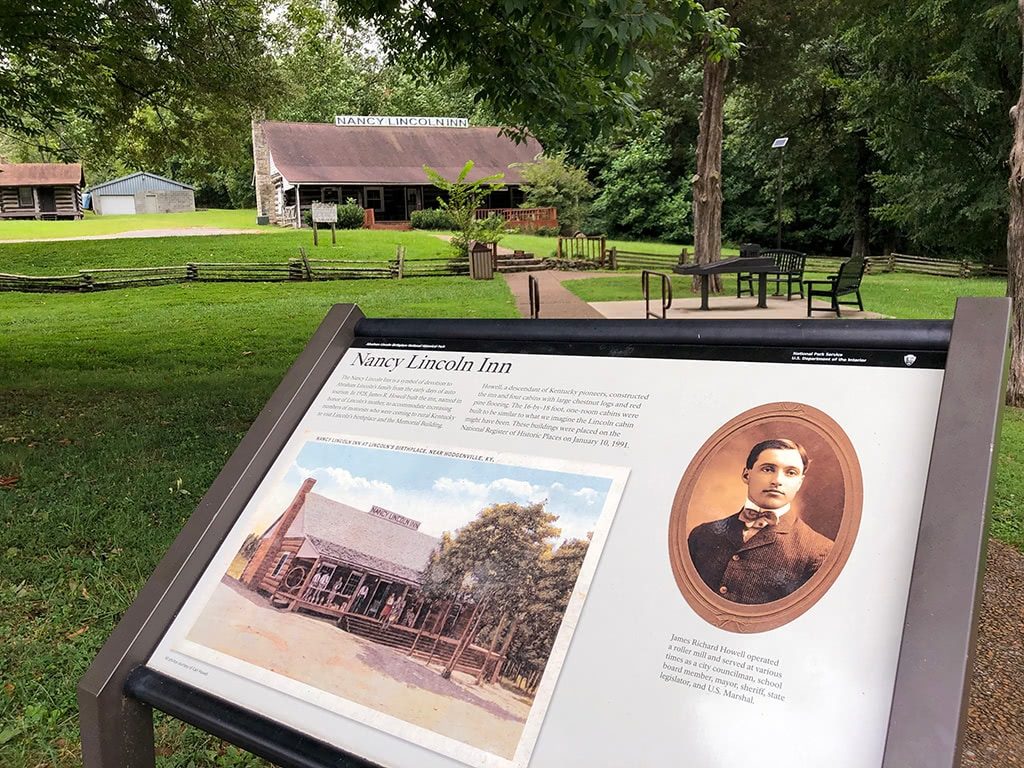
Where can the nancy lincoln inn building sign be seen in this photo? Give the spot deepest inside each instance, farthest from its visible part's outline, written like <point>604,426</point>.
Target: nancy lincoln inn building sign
<point>377,161</point>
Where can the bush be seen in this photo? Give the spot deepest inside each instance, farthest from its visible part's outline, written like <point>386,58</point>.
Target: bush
<point>431,218</point>
<point>350,216</point>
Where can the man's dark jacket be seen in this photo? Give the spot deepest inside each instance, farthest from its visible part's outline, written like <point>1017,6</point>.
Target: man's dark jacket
<point>773,563</point>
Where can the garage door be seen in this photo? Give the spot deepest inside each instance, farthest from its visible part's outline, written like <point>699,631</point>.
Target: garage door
<point>110,204</point>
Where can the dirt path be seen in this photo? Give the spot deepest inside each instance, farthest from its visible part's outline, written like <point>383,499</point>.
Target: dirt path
<point>318,653</point>
<point>172,232</point>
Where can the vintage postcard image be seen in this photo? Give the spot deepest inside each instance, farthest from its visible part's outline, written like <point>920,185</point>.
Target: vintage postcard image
<point>429,592</point>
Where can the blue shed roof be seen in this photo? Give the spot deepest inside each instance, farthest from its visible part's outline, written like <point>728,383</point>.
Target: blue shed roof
<point>137,182</point>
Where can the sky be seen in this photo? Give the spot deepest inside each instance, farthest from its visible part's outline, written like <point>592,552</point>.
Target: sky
<point>442,493</point>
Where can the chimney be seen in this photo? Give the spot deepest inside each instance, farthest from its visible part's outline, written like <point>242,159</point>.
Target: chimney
<point>266,202</point>
<point>267,551</point>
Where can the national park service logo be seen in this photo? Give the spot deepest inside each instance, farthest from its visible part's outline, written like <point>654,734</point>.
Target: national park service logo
<point>909,360</point>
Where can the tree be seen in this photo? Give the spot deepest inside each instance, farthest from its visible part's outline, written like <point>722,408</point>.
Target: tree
<point>100,59</point>
<point>550,181</point>
<point>561,68</point>
<point>462,199</point>
<point>638,198</point>
<point>493,561</point>
<point>1015,243</point>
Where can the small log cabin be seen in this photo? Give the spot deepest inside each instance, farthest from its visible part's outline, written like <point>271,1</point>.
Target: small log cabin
<point>380,167</point>
<point>364,570</point>
<point>41,190</point>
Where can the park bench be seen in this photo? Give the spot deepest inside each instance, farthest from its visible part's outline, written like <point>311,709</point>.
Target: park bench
<point>844,283</point>
<point>790,268</point>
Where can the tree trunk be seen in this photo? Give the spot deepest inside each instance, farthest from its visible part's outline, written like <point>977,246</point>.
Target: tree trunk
<point>861,197</point>
<point>1015,244</point>
<point>707,183</point>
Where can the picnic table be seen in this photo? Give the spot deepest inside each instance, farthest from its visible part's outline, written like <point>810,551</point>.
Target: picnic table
<point>762,266</point>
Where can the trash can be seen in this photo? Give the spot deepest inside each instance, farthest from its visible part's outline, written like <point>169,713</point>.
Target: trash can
<point>749,250</point>
<point>481,264</point>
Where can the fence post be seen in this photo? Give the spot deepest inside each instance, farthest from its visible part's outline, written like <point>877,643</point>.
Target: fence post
<point>613,258</point>
<point>891,265</point>
<point>400,258</point>
<point>87,281</point>
<point>965,268</point>
<point>294,269</point>
<point>191,271</point>
<point>683,256</point>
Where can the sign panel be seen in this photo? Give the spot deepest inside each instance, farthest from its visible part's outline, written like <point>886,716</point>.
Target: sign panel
<point>664,550</point>
<point>325,213</point>
<point>395,121</point>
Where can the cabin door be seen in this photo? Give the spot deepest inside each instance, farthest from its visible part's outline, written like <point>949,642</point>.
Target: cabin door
<point>413,201</point>
<point>47,201</point>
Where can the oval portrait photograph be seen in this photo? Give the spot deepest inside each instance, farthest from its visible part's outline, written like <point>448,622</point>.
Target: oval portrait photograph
<point>765,517</point>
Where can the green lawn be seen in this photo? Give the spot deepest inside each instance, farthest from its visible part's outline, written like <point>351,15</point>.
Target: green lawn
<point>108,225</point>
<point>277,245</point>
<point>118,409</point>
<point>542,247</point>
<point>899,295</point>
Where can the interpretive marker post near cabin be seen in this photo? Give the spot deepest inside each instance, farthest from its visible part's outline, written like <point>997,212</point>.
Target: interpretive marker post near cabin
<point>325,213</point>
<point>433,522</point>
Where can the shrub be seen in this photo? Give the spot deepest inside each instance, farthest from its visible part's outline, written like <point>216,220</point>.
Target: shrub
<point>549,181</point>
<point>431,218</point>
<point>350,215</point>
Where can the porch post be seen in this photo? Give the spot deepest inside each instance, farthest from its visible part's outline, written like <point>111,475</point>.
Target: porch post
<point>298,206</point>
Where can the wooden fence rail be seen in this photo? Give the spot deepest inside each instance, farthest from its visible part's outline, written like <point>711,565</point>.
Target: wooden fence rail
<point>302,268</point>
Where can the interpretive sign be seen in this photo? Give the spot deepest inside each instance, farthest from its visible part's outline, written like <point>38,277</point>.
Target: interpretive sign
<point>325,213</point>
<point>440,547</point>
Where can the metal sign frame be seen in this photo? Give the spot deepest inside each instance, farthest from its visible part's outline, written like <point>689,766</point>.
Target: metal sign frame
<point>117,693</point>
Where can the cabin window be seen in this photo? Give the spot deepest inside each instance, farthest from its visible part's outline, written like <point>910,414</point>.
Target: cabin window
<point>374,198</point>
<point>328,194</point>
<point>25,199</point>
<point>280,564</point>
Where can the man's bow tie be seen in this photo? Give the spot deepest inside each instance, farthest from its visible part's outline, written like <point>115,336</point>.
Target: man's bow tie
<point>758,518</point>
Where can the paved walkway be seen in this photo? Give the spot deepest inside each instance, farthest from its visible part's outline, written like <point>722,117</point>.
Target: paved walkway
<point>994,736</point>
<point>556,301</point>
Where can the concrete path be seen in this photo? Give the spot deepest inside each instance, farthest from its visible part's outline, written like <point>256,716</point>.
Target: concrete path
<point>556,301</point>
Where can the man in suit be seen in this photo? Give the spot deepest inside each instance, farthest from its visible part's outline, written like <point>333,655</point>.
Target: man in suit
<point>765,551</point>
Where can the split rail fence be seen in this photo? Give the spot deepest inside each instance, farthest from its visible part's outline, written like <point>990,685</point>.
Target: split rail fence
<point>300,269</point>
<point>636,261</point>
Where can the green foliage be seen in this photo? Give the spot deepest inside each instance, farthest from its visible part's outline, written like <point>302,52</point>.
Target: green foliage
<point>462,198</point>
<point>550,181</point>
<point>350,215</point>
<point>496,556</point>
<point>431,218</point>
<point>638,200</point>
<point>561,67</point>
<point>542,616</point>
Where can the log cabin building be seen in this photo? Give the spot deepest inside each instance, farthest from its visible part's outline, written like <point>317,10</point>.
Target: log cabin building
<point>41,190</point>
<point>379,166</point>
<point>364,570</point>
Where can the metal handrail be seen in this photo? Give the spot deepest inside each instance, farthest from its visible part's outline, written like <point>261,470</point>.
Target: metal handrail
<point>533,289</point>
<point>666,294</point>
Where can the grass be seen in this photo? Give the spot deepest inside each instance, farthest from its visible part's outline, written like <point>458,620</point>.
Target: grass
<point>118,409</point>
<point>278,245</point>
<point>899,295</point>
<point>109,225</point>
<point>543,247</point>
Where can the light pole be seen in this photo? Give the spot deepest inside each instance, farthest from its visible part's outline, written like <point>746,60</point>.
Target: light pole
<point>779,144</point>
